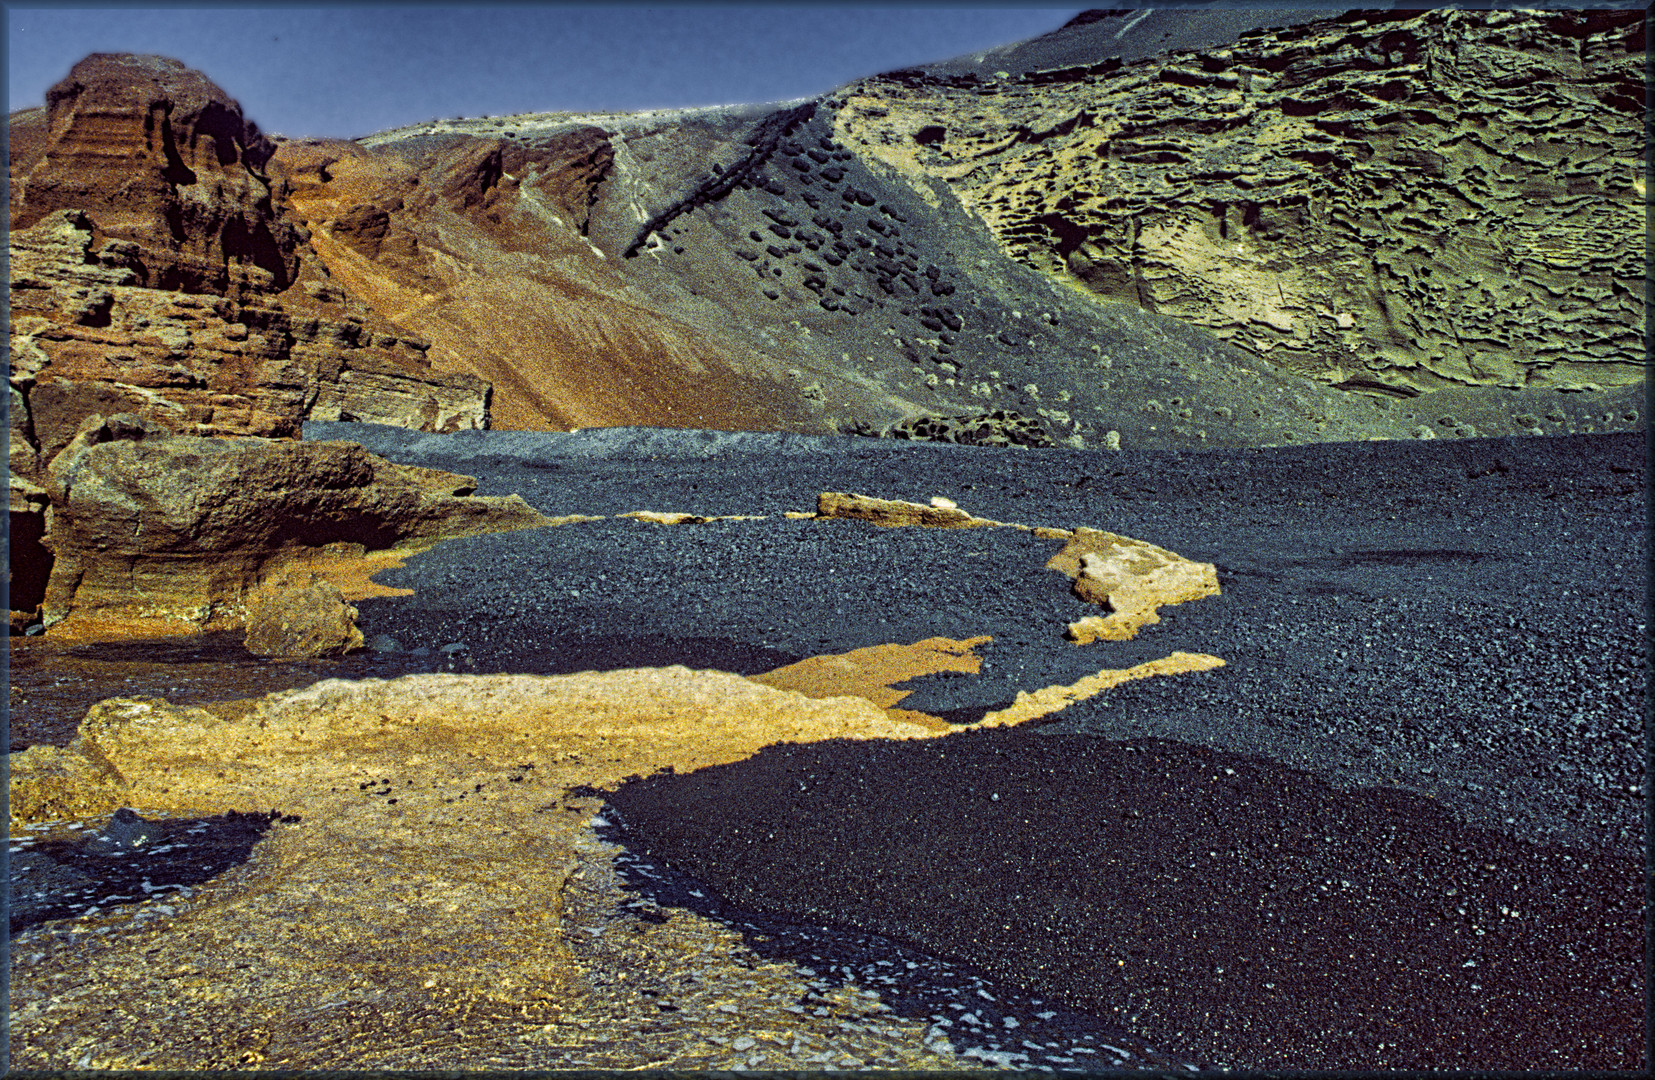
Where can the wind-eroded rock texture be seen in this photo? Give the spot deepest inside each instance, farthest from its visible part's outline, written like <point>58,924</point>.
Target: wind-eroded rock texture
<point>171,533</point>
<point>1390,202</point>
<point>87,338</point>
<point>1207,238</point>
<point>156,269</point>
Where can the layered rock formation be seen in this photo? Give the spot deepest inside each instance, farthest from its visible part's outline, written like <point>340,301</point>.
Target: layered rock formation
<point>155,532</point>
<point>87,337</point>
<point>155,269</point>
<point>173,168</point>
<point>1390,202</point>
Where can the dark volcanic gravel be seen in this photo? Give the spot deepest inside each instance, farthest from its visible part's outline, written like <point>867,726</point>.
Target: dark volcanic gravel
<point>1403,826</point>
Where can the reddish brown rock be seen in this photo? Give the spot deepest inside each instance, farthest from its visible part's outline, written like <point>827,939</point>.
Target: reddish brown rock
<point>156,269</point>
<point>167,161</point>
<point>162,533</point>
<point>86,338</point>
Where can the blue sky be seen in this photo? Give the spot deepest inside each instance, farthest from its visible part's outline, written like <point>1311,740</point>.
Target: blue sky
<point>303,69</point>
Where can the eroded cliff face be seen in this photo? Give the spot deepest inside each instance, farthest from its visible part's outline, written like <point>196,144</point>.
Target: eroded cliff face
<point>1386,202</point>
<point>156,269</point>
<point>1213,245</point>
<point>87,337</point>
<point>171,165</point>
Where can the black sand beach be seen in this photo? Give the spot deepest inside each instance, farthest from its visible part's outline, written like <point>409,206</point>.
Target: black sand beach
<point>1402,827</point>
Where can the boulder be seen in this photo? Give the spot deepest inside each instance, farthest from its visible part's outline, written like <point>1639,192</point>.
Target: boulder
<point>300,621</point>
<point>1131,578</point>
<point>173,532</point>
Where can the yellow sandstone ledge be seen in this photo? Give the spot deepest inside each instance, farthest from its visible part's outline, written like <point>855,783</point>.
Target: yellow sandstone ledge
<point>437,844</point>
<point>436,849</point>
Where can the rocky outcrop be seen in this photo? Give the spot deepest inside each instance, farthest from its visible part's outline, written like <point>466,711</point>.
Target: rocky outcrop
<point>1211,241</point>
<point>168,533</point>
<point>1390,202</point>
<point>727,268</point>
<point>893,513</point>
<point>169,165</point>
<point>1131,578</point>
<point>87,338</point>
<point>156,269</point>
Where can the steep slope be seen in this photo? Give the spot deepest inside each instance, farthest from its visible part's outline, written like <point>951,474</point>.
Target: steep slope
<point>854,301</point>
<point>482,246</point>
<point>1256,257</point>
<point>1216,228</point>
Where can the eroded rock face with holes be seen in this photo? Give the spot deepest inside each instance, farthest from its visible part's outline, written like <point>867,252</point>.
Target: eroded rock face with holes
<point>1388,202</point>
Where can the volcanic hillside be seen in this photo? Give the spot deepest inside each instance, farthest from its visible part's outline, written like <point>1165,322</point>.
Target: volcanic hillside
<point>1145,229</point>
<point>1377,231</point>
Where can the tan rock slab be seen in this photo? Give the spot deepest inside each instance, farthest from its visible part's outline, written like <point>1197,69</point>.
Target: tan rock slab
<point>421,884</point>
<point>1131,578</point>
<point>892,513</point>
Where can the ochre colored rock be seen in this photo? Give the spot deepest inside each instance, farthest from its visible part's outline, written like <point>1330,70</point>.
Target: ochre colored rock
<point>431,830</point>
<point>173,532</point>
<point>1386,202</point>
<point>295,620</point>
<point>1051,699</point>
<point>892,513</point>
<point>1129,577</point>
<point>872,674</point>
